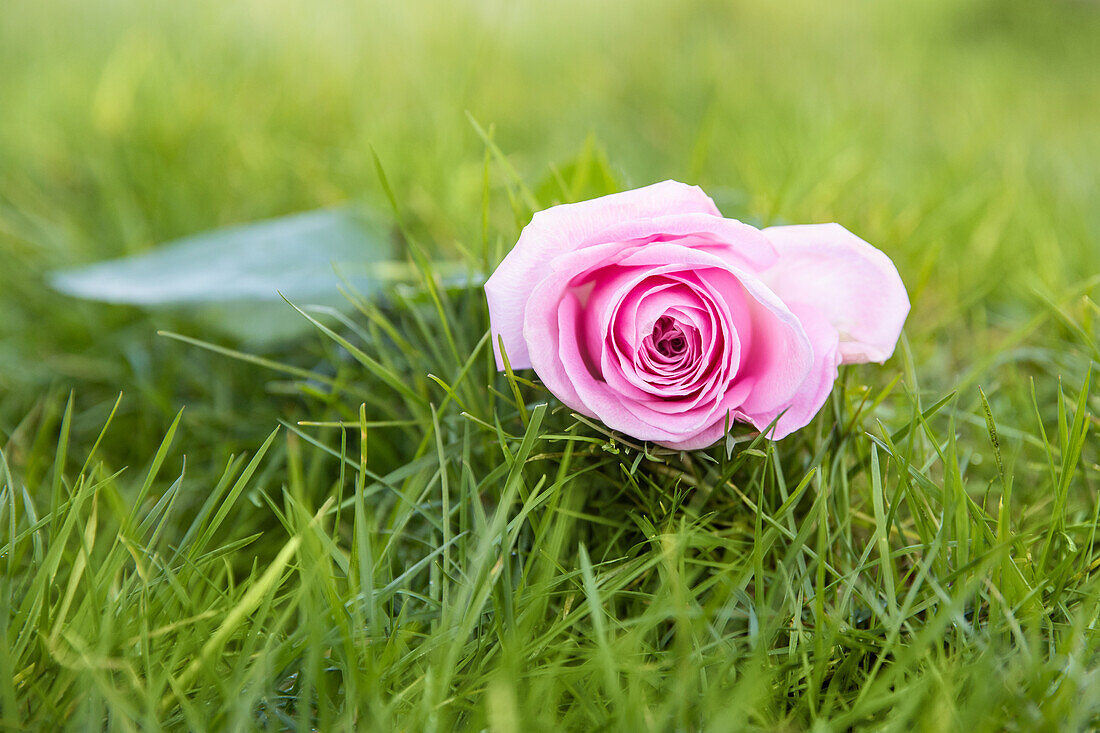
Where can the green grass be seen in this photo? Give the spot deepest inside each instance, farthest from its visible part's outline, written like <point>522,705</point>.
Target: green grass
<point>371,528</point>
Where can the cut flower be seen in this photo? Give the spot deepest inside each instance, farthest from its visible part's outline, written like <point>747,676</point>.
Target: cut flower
<point>651,312</point>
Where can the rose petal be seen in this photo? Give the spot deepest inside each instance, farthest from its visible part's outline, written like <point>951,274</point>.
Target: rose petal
<point>567,376</point>
<point>815,389</point>
<point>781,360</point>
<point>561,229</point>
<point>541,331</point>
<point>709,435</point>
<point>780,356</point>
<point>586,394</point>
<point>719,356</point>
<point>733,241</point>
<point>633,320</point>
<point>853,285</point>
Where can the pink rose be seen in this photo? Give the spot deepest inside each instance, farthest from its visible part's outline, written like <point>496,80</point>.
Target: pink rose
<point>650,312</point>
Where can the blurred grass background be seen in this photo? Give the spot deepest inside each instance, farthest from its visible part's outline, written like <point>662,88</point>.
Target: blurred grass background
<point>961,137</point>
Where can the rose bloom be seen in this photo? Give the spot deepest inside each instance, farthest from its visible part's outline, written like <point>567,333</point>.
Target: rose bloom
<point>651,312</point>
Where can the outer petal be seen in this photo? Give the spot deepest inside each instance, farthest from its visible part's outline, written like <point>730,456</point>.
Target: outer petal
<point>818,384</point>
<point>707,437</point>
<point>561,229</point>
<point>806,404</point>
<point>853,285</point>
<point>736,242</point>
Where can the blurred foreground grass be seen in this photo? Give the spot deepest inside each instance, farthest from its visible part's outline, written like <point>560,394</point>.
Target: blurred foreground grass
<point>881,569</point>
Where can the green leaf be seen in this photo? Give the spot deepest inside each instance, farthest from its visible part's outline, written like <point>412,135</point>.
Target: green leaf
<point>294,255</point>
<point>233,277</point>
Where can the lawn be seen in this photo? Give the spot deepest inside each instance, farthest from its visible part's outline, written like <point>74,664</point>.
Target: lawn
<point>366,527</point>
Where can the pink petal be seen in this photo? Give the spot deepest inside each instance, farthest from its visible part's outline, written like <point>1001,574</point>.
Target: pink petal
<point>815,389</point>
<point>853,285</point>
<point>706,437</point>
<point>562,229</point>
<point>780,355</point>
<point>733,241</point>
<point>809,400</point>
<point>556,323</point>
<point>622,310</point>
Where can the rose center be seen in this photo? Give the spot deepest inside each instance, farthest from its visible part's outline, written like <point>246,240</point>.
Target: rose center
<point>668,338</point>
